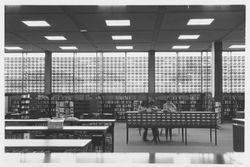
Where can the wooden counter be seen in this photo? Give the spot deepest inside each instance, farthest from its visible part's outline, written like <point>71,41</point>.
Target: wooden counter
<point>45,144</point>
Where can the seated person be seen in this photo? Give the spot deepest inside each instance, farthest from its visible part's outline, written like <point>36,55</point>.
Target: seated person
<point>170,108</point>
<point>142,107</point>
<point>153,105</point>
<point>149,107</point>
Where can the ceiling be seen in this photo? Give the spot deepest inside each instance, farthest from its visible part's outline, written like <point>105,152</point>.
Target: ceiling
<point>152,27</point>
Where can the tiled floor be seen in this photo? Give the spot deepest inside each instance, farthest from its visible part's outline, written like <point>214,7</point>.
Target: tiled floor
<point>124,158</point>
<point>198,141</point>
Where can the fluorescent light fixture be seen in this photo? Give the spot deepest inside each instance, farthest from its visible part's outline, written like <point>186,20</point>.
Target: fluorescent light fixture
<point>117,22</point>
<point>55,38</point>
<point>181,47</point>
<point>13,48</point>
<point>121,37</point>
<point>237,46</point>
<point>124,47</point>
<point>37,23</point>
<point>83,30</point>
<point>207,21</point>
<point>183,37</point>
<point>68,47</point>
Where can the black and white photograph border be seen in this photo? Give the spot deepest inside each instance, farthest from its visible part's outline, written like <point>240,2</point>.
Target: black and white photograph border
<point>136,152</point>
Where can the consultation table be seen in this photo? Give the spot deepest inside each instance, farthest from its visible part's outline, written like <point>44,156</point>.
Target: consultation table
<point>54,145</point>
<point>78,122</point>
<point>93,129</point>
<point>170,120</point>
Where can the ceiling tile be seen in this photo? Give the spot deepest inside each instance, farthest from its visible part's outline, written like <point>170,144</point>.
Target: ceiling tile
<point>97,21</point>
<point>136,47</point>
<point>17,9</point>
<point>207,36</point>
<point>12,38</point>
<point>235,36</point>
<point>223,20</point>
<point>58,22</point>
<point>55,47</point>
<point>38,37</point>
<point>226,45</point>
<point>100,37</point>
<point>193,46</point>
<point>27,48</point>
<point>110,9</point>
<point>229,25</point>
<point>204,8</point>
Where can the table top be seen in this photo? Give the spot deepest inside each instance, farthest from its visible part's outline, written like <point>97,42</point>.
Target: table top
<point>238,121</point>
<point>46,142</point>
<point>25,120</point>
<point>184,112</point>
<point>96,120</point>
<point>42,120</point>
<point>81,128</point>
<point>161,159</point>
<point>197,112</point>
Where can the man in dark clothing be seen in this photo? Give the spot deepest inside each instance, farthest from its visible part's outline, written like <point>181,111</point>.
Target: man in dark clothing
<point>143,108</point>
<point>150,107</point>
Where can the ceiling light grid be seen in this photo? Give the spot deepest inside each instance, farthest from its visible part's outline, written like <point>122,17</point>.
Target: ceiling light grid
<point>68,47</point>
<point>36,23</point>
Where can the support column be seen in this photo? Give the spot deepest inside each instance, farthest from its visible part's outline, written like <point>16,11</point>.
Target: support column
<point>216,51</point>
<point>48,73</point>
<point>151,72</point>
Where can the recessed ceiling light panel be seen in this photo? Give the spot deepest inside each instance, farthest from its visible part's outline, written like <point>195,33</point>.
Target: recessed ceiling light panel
<point>117,22</point>
<point>124,47</point>
<point>207,21</point>
<point>237,46</point>
<point>36,23</point>
<point>55,38</point>
<point>121,37</point>
<point>68,47</point>
<point>13,48</point>
<point>181,47</point>
<point>183,37</point>
<point>83,30</point>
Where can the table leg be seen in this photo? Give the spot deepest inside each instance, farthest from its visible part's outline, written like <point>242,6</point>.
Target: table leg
<point>112,129</point>
<point>127,135</point>
<point>215,136</point>
<point>170,134</point>
<point>182,135</point>
<point>210,135</point>
<point>104,145</point>
<point>186,136</point>
<point>166,133</point>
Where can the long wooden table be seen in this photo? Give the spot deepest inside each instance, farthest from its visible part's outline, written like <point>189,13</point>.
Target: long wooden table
<point>93,129</point>
<point>45,144</point>
<point>45,121</point>
<point>183,120</point>
<point>78,122</point>
<point>65,128</point>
